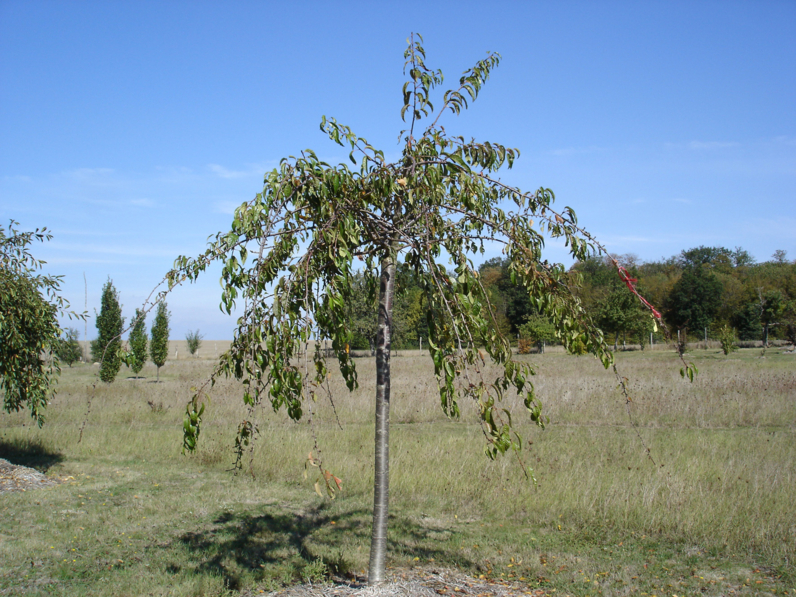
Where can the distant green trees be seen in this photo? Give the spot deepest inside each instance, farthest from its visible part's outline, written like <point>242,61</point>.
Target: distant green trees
<point>107,348</point>
<point>773,305</point>
<point>539,330</point>
<point>694,299</point>
<point>362,314</point>
<point>615,310</point>
<point>511,302</point>
<point>621,313</point>
<point>703,287</point>
<point>409,315</point>
<point>159,345</point>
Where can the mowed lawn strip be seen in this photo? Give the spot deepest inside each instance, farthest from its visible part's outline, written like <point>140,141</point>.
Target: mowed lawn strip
<point>713,515</point>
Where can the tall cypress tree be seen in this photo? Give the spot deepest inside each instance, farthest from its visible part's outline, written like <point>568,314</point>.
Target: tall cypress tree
<point>159,346</point>
<point>138,342</point>
<point>109,328</point>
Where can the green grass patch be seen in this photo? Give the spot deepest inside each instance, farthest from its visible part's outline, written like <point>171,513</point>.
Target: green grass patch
<point>713,514</point>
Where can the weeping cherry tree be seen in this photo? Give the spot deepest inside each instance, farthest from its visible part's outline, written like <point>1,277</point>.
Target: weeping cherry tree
<point>292,252</point>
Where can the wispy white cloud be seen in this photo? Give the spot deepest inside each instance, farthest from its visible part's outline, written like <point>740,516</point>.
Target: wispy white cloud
<point>252,170</point>
<point>85,174</point>
<point>92,232</point>
<point>92,250</point>
<point>143,202</point>
<point>681,200</point>
<point>87,260</point>
<point>173,169</point>
<point>173,174</point>
<point>701,145</point>
<point>226,207</point>
<point>567,151</point>
<point>630,239</point>
<point>782,228</point>
<point>785,140</point>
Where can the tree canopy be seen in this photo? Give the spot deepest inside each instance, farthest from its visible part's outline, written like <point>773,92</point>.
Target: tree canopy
<point>702,287</point>
<point>159,345</point>
<point>138,343</point>
<point>110,323</point>
<point>302,251</point>
<point>30,303</point>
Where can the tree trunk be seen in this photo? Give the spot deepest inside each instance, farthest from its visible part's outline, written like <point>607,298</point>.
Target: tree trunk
<point>381,482</point>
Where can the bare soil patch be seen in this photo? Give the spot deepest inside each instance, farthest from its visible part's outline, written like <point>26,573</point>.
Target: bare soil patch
<point>414,582</point>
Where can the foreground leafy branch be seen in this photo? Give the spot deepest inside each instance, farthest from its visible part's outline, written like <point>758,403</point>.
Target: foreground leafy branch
<point>30,304</point>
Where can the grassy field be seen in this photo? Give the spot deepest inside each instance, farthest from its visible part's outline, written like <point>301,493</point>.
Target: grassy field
<point>714,515</point>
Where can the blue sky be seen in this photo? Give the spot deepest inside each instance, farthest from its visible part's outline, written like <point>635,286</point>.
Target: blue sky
<point>132,129</point>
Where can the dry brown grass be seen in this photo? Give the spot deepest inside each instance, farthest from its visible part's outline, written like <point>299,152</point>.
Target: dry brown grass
<point>720,491</point>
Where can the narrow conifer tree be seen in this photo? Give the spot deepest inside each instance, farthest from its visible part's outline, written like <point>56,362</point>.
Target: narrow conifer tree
<point>138,342</point>
<point>109,327</point>
<point>159,346</point>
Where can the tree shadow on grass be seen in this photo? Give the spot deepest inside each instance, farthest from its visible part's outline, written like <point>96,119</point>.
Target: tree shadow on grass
<point>29,452</point>
<point>285,547</point>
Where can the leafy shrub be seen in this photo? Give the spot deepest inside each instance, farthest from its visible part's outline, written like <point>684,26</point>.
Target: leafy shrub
<point>537,329</point>
<point>727,338</point>
<point>524,346</point>
<point>67,349</point>
<point>194,340</point>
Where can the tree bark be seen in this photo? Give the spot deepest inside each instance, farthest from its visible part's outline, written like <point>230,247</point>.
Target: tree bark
<point>381,482</point>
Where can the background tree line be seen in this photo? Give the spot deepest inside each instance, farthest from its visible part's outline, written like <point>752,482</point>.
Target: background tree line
<point>711,289</point>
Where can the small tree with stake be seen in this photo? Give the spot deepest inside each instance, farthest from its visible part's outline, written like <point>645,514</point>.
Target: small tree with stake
<point>159,346</point>
<point>138,343</point>
<point>194,341</point>
<point>315,225</point>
